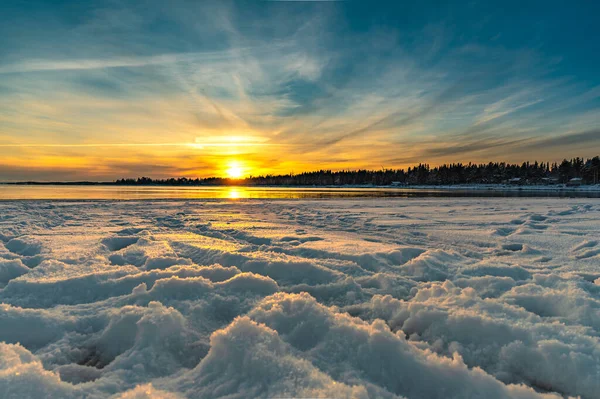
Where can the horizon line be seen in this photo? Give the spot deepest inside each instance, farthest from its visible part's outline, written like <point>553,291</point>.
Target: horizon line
<point>293,174</point>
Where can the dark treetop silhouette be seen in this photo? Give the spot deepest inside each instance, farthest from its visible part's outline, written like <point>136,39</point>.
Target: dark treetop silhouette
<point>457,173</point>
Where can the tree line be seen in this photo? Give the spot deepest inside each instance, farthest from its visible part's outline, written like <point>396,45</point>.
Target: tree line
<point>576,170</point>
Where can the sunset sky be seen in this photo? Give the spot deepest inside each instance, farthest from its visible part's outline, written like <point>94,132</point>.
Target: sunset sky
<point>101,90</point>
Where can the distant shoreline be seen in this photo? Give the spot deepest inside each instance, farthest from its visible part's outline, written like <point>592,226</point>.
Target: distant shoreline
<point>574,173</point>
<point>443,187</point>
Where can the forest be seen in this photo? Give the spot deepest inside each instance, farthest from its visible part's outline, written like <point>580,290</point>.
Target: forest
<point>575,171</point>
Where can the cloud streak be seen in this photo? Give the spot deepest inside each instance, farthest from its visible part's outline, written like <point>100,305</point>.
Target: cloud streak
<point>310,83</point>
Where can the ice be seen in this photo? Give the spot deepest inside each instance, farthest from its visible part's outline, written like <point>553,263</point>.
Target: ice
<point>352,298</point>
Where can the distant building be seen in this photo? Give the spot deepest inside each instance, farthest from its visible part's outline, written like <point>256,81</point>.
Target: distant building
<point>575,182</point>
<point>549,180</point>
<point>515,181</point>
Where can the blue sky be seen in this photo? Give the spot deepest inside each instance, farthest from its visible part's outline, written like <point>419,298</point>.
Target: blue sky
<point>106,89</point>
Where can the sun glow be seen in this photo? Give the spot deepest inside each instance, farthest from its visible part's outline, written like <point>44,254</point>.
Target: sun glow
<point>233,193</point>
<point>235,170</point>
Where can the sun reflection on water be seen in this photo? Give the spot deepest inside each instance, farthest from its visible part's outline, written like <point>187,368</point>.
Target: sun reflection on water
<point>234,193</point>
<point>100,192</point>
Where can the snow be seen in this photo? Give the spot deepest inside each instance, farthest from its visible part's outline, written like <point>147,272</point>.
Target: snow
<point>344,298</point>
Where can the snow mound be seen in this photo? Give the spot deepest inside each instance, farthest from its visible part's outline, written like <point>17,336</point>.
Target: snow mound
<point>372,298</point>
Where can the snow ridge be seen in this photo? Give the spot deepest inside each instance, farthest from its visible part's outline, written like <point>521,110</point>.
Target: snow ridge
<point>354,298</point>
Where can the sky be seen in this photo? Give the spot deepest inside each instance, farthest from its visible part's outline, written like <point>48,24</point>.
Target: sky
<point>100,90</point>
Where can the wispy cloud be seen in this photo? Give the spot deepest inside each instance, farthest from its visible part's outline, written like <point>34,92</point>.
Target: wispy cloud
<point>38,65</point>
<point>302,86</point>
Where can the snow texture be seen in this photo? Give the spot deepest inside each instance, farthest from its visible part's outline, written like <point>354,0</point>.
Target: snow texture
<point>353,298</point>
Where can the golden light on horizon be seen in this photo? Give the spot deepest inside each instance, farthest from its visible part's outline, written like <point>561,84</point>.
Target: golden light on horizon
<point>233,194</point>
<point>235,170</point>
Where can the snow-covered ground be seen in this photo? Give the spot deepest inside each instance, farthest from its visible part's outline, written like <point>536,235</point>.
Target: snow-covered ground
<point>379,298</point>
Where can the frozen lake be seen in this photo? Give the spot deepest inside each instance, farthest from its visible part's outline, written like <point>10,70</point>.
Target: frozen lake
<point>339,298</point>
<point>108,192</point>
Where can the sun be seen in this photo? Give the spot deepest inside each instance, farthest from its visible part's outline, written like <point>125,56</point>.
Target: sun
<point>235,171</point>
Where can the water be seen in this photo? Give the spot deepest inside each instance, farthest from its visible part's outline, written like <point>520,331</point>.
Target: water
<point>66,192</point>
